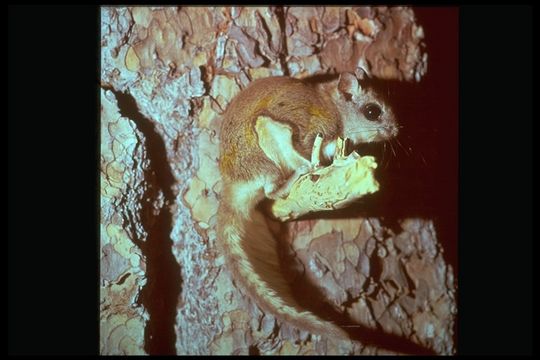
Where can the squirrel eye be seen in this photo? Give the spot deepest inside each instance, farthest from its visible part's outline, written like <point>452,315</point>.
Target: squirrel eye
<point>372,111</point>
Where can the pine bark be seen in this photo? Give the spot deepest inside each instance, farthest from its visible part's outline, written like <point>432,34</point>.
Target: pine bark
<point>167,74</point>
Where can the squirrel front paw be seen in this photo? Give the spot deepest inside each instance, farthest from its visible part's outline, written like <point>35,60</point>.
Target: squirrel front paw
<point>316,152</point>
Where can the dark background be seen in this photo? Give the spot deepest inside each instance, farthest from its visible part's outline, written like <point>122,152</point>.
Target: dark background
<point>53,169</point>
<point>421,168</point>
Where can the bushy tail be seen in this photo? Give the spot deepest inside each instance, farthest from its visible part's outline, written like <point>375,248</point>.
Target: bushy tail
<point>252,257</point>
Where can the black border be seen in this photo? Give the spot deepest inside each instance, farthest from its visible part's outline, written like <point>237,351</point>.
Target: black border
<point>53,180</point>
<point>495,219</point>
<point>53,169</point>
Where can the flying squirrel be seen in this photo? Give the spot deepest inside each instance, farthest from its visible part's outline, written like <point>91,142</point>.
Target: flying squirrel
<point>267,136</point>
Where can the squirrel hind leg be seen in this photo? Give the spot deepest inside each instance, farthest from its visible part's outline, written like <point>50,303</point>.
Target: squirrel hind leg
<point>275,140</point>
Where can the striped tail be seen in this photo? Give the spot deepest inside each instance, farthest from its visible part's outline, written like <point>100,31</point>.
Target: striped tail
<point>252,258</point>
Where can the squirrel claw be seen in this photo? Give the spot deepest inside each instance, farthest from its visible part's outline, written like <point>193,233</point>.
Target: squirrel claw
<point>316,151</point>
<point>341,148</point>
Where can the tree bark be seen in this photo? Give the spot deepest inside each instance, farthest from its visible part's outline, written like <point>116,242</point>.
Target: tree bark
<point>167,74</point>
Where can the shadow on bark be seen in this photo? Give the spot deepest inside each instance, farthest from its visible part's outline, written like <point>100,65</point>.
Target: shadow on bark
<point>164,283</point>
<point>311,298</point>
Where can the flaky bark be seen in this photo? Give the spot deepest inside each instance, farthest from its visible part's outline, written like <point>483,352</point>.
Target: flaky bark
<point>167,74</point>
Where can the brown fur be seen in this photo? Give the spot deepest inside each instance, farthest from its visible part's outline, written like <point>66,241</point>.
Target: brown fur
<point>249,174</point>
<point>283,99</point>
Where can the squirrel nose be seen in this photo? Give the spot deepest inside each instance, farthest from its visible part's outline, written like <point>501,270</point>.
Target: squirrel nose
<point>388,131</point>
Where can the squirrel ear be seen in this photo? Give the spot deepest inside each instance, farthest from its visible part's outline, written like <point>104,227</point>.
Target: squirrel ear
<point>348,84</point>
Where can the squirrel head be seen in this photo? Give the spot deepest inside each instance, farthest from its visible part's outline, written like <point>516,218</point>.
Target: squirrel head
<point>366,116</point>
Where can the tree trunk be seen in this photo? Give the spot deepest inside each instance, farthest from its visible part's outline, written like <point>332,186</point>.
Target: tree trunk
<point>167,74</point>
